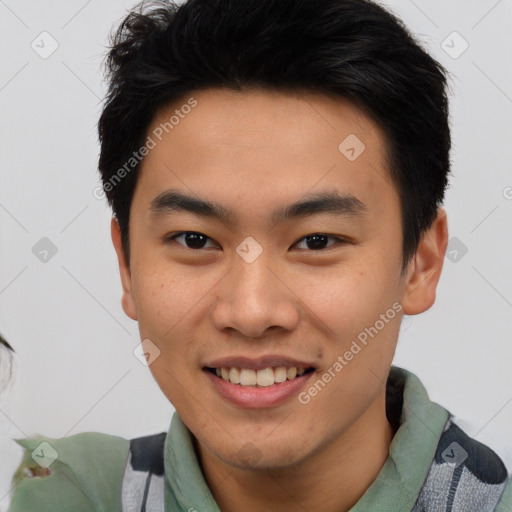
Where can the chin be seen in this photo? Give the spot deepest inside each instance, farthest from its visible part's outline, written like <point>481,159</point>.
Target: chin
<point>249,457</point>
<point>262,454</point>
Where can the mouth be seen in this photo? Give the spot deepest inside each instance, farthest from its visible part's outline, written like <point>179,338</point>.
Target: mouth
<point>270,376</point>
<point>258,385</point>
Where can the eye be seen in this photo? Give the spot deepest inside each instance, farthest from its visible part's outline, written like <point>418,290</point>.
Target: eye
<point>318,241</point>
<point>195,240</point>
<point>191,239</point>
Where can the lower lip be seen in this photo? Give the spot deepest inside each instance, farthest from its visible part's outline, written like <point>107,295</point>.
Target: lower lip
<point>258,397</point>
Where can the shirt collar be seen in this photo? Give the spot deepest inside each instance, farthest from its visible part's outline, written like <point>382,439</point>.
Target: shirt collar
<point>410,455</point>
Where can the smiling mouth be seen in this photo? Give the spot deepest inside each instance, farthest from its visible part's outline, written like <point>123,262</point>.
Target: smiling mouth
<point>247,377</point>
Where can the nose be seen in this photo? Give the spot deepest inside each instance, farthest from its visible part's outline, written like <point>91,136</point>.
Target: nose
<point>255,298</point>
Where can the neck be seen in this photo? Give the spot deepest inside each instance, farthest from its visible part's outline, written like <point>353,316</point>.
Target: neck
<point>332,480</point>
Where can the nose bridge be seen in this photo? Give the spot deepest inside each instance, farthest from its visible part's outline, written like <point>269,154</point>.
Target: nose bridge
<point>253,298</point>
<point>253,282</point>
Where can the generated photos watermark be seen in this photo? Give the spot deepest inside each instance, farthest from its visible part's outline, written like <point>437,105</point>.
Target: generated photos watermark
<point>152,140</point>
<point>355,348</point>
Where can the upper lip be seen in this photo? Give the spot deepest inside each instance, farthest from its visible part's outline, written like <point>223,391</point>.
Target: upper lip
<point>257,363</point>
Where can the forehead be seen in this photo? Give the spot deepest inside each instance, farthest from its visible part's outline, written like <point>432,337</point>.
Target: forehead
<point>245,117</point>
<point>232,144</point>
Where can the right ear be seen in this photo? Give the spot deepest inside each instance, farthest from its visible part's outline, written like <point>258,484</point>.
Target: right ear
<point>127,300</point>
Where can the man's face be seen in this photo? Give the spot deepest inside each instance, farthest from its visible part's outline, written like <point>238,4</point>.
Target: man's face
<point>258,290</point>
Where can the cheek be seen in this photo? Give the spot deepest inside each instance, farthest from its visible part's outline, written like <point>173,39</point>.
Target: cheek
<point>165,301</point>
<point>362,311</point>
<point>172,306</point>
<point>349,297</point>
<point>155,300</point>
<point>161,304</point>
<point>164,295</point>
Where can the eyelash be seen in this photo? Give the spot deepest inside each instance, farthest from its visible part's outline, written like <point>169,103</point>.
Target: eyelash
<point>172,238</point>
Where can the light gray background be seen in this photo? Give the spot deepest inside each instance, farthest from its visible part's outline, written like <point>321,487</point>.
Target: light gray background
<point>75,365</point>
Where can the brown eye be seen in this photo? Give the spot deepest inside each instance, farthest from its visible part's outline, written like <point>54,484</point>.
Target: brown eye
<point>190,239</point>
<point>318,241</point>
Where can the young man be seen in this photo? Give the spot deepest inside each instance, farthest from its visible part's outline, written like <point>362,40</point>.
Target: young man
<point>276,170</point>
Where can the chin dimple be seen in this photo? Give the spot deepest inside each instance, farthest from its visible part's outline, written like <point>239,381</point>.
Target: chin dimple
<point>260,378</point>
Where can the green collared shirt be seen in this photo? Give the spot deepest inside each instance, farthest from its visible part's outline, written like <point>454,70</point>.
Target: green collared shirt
<point>87,469</point>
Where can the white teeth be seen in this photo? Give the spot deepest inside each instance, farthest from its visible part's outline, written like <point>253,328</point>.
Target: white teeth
<point>291,373</point>
<point>247,377</point>
<point>263,378</point>
<point>234,375</point>
<point>280,374</point>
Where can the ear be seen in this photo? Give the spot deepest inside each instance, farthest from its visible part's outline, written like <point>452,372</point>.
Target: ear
<point>424,269</point>
<point>127,300</point>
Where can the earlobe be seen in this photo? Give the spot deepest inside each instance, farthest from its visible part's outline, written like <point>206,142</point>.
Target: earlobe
<point>424,269</point>
<point>127,300</point>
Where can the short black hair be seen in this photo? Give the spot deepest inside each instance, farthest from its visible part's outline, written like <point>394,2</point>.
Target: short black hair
<point>354,49</point>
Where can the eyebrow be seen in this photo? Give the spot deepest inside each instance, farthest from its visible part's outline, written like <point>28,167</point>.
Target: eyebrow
<point>331,202</point>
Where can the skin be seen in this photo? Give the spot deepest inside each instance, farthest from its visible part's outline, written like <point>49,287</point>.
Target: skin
<point>252,152</point>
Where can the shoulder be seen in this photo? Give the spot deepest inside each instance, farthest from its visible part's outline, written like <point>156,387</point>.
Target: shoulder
<point>80,473</point>
<point>465,474</point>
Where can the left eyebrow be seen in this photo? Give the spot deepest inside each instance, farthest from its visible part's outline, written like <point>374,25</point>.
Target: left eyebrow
<point>324,202</point>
